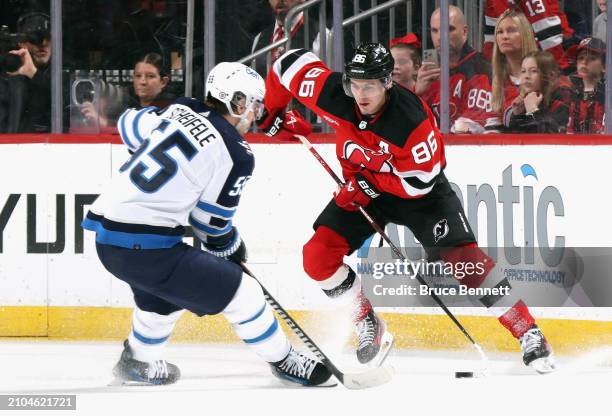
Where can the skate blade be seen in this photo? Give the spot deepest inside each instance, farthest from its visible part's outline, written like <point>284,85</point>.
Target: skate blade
<point>386,343</point>
<point>544,365</point>
<point>294,385</point>
<point>119,382</point>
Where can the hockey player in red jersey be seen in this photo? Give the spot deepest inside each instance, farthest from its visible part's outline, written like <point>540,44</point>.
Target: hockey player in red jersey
<point>549,23</point>
<point>392,159</point>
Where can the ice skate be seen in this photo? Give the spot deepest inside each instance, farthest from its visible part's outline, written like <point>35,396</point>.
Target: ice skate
<point>297,368</point>
<point>129,371</point>
<point>374,340</point>
<point>537,352</point>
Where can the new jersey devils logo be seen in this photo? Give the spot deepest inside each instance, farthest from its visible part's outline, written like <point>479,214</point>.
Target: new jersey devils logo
<point>440,230</point>
<point>377,161</point>
<point>452,110</point>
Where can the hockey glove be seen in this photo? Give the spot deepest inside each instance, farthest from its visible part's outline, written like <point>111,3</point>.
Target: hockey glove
<point>357,191</point>
<point>283,126</point>
<point>234,251</point>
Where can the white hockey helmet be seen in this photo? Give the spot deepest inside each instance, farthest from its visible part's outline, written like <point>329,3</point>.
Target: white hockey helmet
<point>236,84</point>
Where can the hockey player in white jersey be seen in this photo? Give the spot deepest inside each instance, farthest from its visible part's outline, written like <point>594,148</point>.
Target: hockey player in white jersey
<point>190,164</point>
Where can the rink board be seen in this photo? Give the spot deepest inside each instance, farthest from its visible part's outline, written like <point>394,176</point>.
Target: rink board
<point>411,331</point>
<point>52,285</point>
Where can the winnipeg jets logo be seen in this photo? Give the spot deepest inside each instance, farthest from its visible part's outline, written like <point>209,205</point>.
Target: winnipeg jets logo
<point>440,230</point>
<point>363,124</point>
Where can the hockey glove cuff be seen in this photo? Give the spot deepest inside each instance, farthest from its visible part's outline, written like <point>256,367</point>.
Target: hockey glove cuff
<point>234,251</point>
<point>357,191</point>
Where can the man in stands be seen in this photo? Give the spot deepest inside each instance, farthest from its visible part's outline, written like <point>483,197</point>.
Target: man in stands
<point>470,77</point>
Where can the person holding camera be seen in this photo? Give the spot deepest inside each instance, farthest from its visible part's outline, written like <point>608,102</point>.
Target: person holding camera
<point>25,86</point>
<point>150,88</point>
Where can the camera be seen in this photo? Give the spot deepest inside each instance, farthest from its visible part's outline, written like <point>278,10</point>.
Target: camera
<point>9,42</point>
<point>84,90</point>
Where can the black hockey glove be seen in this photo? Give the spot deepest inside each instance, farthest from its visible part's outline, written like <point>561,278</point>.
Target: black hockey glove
<point>234,251</point>
<point>283,126</point>
<point>271,124</point>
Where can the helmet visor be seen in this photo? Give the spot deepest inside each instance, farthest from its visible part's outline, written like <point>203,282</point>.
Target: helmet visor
<point>364,87</point>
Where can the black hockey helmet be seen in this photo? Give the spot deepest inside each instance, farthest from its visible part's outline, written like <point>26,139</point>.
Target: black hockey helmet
<point>369,61</point>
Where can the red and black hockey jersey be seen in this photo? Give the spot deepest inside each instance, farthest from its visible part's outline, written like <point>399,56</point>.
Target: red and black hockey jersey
<point>400,145</point>
<point>587,108</point>
<point>470,89</point>
<point>549,23</point>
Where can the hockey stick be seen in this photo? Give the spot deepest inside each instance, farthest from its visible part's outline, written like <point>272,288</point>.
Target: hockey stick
<point>354,381</point>
<point>396,250</point>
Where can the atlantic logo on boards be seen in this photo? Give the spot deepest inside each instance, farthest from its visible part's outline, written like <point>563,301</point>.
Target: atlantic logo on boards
<point>519,207</point>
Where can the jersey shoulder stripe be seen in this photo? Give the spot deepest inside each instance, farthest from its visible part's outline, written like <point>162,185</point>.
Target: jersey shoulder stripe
<point>135,124</point>
<point>287,66</point>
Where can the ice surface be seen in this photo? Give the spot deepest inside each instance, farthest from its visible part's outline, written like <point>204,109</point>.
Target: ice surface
<point>230,380</point>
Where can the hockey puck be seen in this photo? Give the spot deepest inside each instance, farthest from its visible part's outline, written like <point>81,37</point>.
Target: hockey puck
<point>464,374</point>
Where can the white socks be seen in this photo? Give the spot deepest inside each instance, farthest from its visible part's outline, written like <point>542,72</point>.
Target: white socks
<point>254,322</point>
<point>150,334</point>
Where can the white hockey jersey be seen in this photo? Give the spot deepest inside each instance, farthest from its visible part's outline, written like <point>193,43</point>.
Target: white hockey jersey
<point>189,166</point>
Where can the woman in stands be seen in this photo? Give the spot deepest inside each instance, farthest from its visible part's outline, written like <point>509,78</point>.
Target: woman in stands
<point>513,40</point>
<point>151,82</point>
<point>542,105</point>
<point>150,88</point>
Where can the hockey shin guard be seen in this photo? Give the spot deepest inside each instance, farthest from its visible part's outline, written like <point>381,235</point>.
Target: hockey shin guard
<point>150,334</point>
<point>255,323</point>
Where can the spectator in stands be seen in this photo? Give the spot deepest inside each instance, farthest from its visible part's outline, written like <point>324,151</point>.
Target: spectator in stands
<point>25,93</point>
<point>587,108</point>
<point>470,77</point>
<point>151,81</point>
<point>277,31</point>
<point>406,52</point>
<point>601,21</point>
<point>513,41</point>
<point>150,88</point>
<point>549,23</point>
<point>543,104</point>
